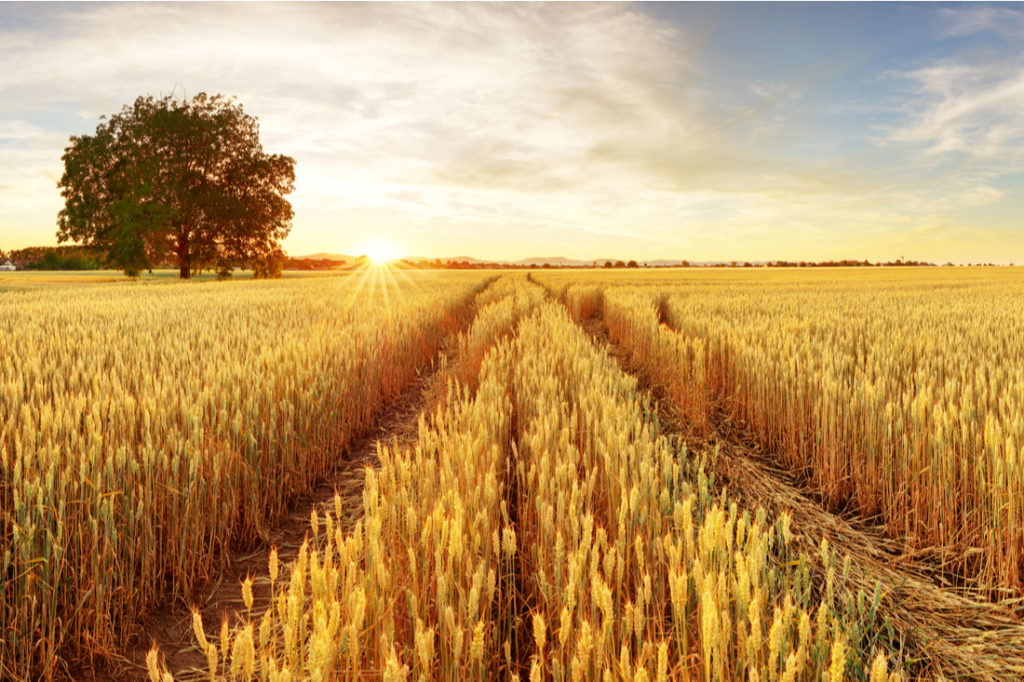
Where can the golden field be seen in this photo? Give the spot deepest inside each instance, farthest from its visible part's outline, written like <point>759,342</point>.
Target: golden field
<point>557,514</point>
<point>142,427</point>
<point>898,393</point>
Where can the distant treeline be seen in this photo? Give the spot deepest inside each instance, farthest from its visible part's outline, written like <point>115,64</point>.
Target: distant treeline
<point>86,258</point>
<point>455,265</point>
<point>313,264</point>
<point>480,265</point>
<point>485,265</point>
<point>844,264</point>
<point>55,258</point>
<point>74,257</point>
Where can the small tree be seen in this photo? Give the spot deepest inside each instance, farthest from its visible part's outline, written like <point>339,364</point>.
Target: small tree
<point>269,266</point>
<point>181,180</point>
<point>632,264</point>
<point>52,261</point>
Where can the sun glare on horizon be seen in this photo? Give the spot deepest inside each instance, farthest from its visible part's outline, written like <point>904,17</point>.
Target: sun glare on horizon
<point>381,251</point>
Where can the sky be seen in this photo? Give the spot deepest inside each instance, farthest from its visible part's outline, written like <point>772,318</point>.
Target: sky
<point>720,131</point>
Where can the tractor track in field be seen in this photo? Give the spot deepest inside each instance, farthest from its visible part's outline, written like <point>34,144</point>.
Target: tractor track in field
<point>947,633</point>
<point>170,628</point>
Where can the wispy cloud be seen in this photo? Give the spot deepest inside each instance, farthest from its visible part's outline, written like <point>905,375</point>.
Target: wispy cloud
<point>972,109</point>
<point>591,128</point>
<point>964,21</point>
<point>462,101</point>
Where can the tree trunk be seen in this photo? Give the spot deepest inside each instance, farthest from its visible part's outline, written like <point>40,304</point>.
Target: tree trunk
<point>184,259</point>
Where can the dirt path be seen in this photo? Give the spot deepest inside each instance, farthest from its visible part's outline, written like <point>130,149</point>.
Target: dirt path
<point>947,633</point>
<point>171,627</point>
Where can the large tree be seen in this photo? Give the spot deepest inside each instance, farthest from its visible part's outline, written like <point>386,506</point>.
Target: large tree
<point>177,180</point>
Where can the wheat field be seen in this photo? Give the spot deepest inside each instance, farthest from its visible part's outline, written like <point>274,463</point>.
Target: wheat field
<point>563,508</point>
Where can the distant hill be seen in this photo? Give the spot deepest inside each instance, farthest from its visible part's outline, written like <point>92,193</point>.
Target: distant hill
<point>559,261</point>
<point>563,262</point>
<point>457,259</point>
<point>553,261</point>
<point>327,256</point>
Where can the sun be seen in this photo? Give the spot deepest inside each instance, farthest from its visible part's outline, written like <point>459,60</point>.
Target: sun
<point>381,251</point>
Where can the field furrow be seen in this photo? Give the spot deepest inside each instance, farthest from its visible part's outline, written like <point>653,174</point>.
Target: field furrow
<point>162,435</point>
<point>548,530</point>
<point>948,631</point>
<point>541,476</point>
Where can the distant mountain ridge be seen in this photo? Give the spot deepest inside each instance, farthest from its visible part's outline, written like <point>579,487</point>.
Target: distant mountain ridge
<point>326,256</point>
<point>554,261</point>
<point>562,261</point>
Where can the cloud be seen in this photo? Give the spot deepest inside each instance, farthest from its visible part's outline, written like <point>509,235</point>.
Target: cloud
<point>970,109</point>
<point>966,103</point>
<point>473,104</point>
<point>19,131</point>
<point>971,20</point>
<point>499,124</point>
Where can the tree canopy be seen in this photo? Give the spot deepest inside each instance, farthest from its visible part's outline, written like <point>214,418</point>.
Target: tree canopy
<point>177,180</point>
